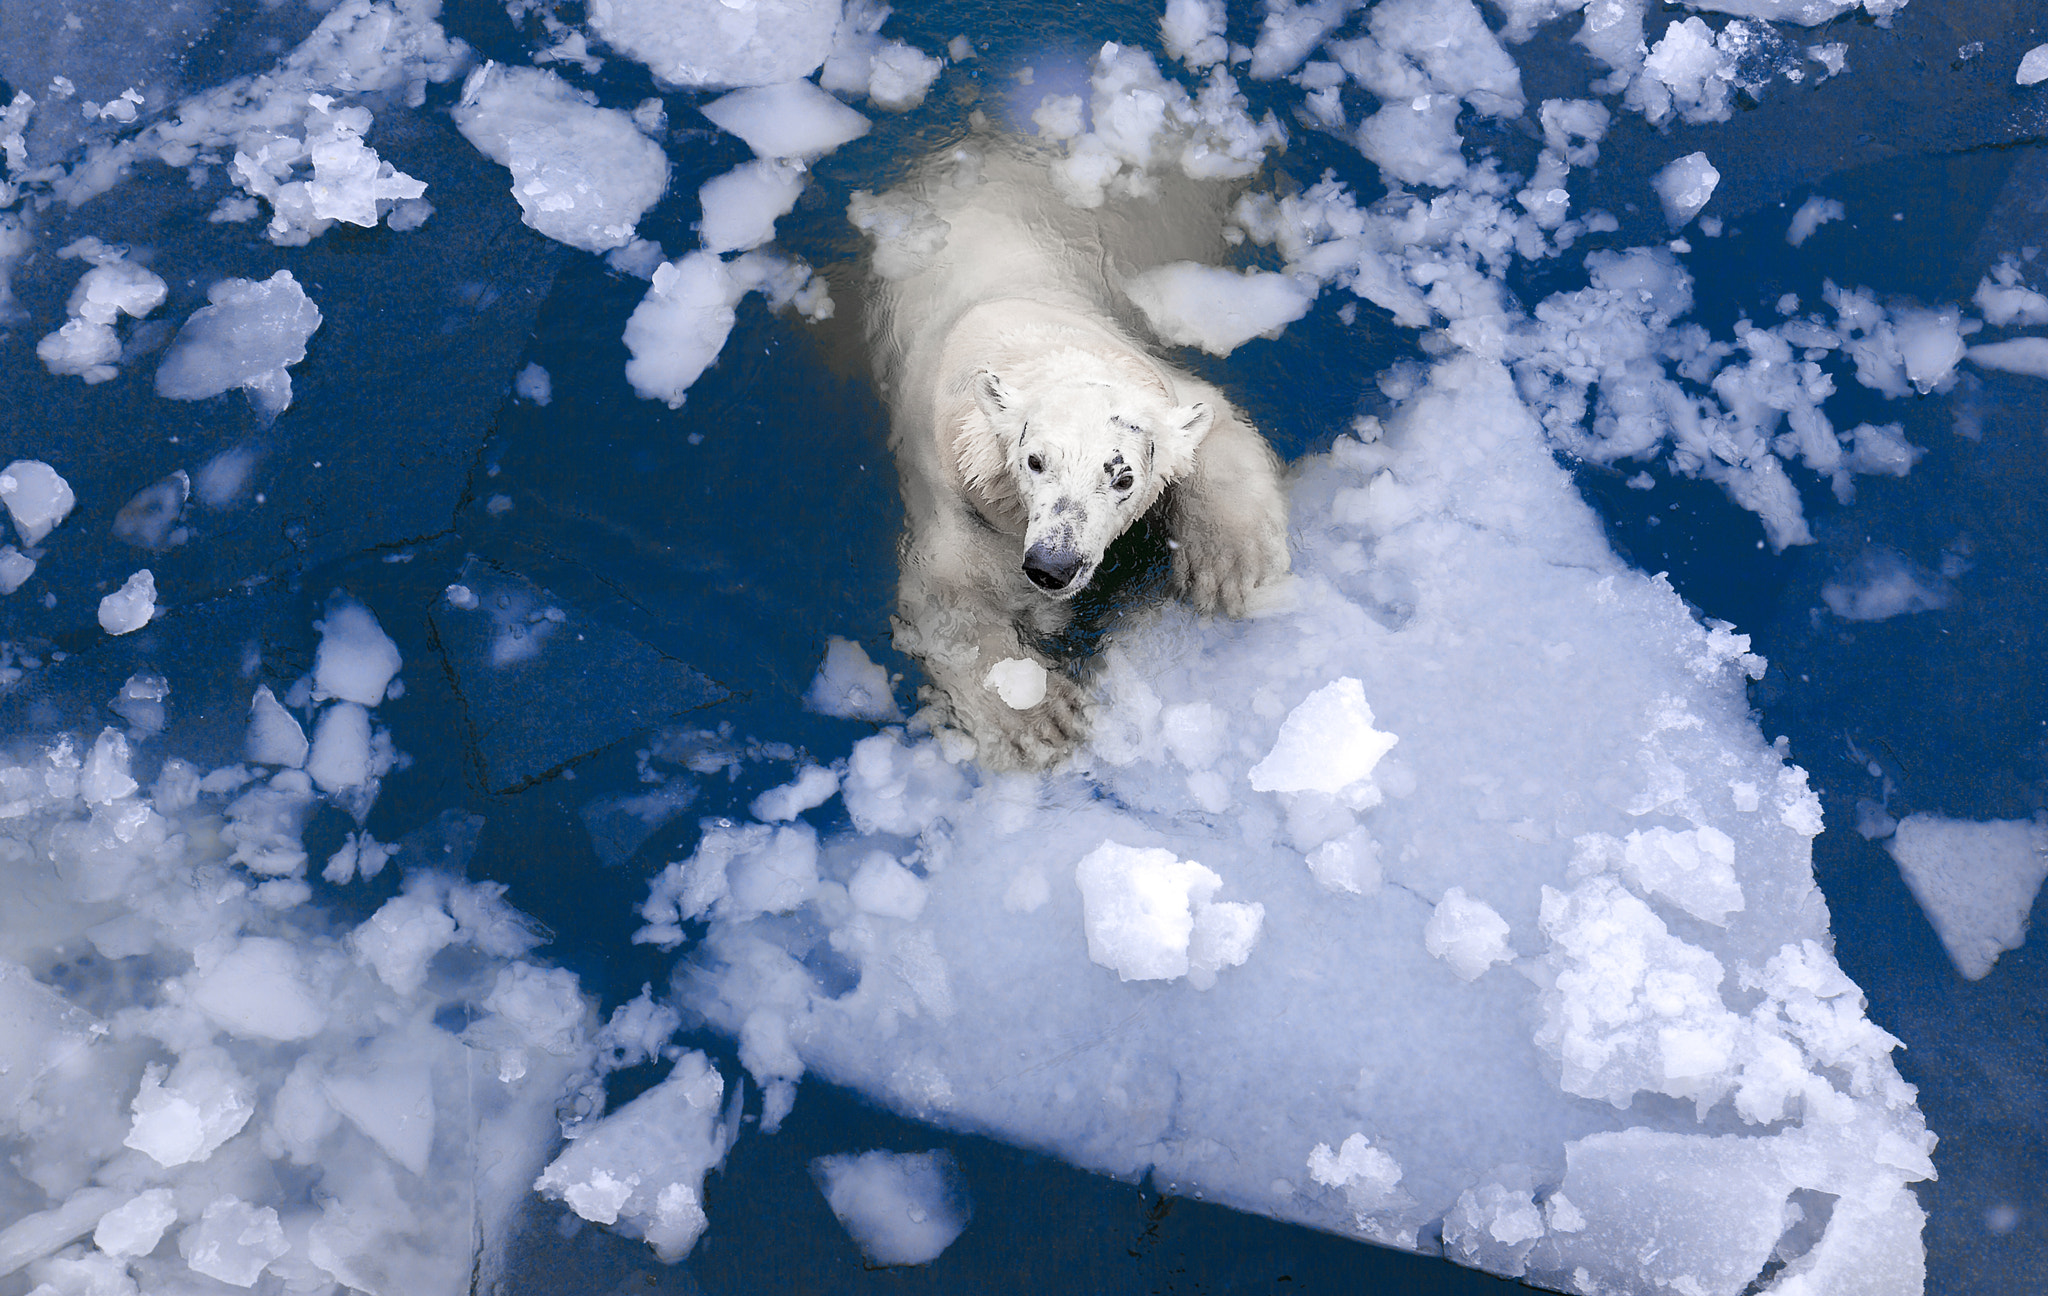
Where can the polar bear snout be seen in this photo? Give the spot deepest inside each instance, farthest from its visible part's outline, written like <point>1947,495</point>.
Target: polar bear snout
<point>1051,568</point>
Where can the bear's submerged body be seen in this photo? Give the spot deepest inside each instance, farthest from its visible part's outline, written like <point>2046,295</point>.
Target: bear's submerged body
<point>1032,428</point>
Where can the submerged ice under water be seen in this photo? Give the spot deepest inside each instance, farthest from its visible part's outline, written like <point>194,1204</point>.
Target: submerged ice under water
<point>364,585</point>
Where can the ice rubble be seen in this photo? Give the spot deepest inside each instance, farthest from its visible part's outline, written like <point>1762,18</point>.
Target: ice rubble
<point>204,1080</point>
<point>86,344</point>
<point>1976,882</point>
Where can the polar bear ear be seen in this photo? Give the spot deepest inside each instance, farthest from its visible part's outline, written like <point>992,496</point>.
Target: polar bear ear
<point>990,393</point>
<point>1185,428</point>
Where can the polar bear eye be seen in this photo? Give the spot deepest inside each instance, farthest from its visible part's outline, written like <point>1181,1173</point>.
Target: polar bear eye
<point>1123,480</point>
<point>1035,464</point>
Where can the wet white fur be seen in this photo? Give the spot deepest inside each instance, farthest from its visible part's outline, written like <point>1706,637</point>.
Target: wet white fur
<point>1010,342</point>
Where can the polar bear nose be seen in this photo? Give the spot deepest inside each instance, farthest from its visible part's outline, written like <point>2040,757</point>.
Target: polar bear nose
<point>1050,569</point>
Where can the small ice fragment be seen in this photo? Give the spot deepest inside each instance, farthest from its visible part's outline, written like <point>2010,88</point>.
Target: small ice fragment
<point>15,569</point>
<point>742,205</point>
<point>2033,66</point>
<point>899,1208</point>
<point>129,608</point>
<point>1218,310</point>
<point>901,76</point>
<point>2024,355</point>
<point>36,498</point>
<point>813,786</point>
<point>534,384</point>
<point>792,120</point>
<point>1881,583</point>
<point>135,1227</point>
<point>341,756</point>
<point>1976,882</point>
<point>356,659</point>
<point>1812,214</point>
<point>884,887</point>
<point>1018,681</point>
<point>1138,906</point>
<point>147,519</point>
<point>1684,187</point>
<point>233,1241</point>
<point>1326,744</point>
<point>1467,934</point>
<point>274,736</point>
<point>851,686</point>
<point>248,337</point>
<point>258,990</point>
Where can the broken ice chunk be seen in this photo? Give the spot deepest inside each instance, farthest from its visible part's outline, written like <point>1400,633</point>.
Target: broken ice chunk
<point>899,1208</point>
<point>135,1227</point>
<point>1138,905</point>
<point>258,990</point>
<point>901,75</point>
<point>851,686</point>
<point>680,326</point>
<point>1218,310</point>
<point>1467,934</point>
<point>1930,344</point>
<point>792,120</point>
<point>204,1103</point>
<point>2024,355</point>
<point>36,498</point>
<point>247,337</point>
<point>402,937</point>
<point>1812,214</point>
<point>2033,66</point>
<point>884,887</point>
<point>274,736</point>
<point>356,659</point>
<point>1018,681</point>
<point>390,1098</point>
<point>129,608</point>
<point>1976,882</point>
<point>233,1241</point>
<point>813,786</point>
<point>341,755</point>
<point>708,44</point>
<point>582,175</point>
<point>1684,186</point>
<point>1326,744</point>
<point>642,1167</point>
<point>1369,1177</point>
<point>15,569</point>
<point>742,206</point>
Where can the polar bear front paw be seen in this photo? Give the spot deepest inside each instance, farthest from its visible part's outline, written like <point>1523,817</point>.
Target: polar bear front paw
<point>1035,737</point>
<point>1219,572</point>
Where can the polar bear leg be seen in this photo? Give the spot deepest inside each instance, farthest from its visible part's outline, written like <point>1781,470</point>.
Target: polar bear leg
<point>958,634</point>
<point>1228,519</point>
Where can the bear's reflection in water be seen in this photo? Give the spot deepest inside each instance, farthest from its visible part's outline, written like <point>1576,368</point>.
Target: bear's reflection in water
<point>1035,427</point>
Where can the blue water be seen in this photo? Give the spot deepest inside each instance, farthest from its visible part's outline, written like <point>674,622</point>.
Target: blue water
<point>717,548</point>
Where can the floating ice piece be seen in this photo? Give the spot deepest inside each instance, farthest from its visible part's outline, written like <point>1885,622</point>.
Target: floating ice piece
<point>275,736</point>
<point>709,44</point>
<point>1467,934</point>
<point>86,345</point>
<point>233,1241</point>
<point>2025,355</point>
<point>1018,681</point>
<point>851,686</point>
<point>1215,309</point>
<point>129,608</point>
<point>900,1208</point>
<point>403,935</point>
<point>2033,67</point>
<point>641,1169</point>
<point>15,569</point>
<point>884,887</point>
<point>248,337</point>
<point>1881,583</point>
<point>259,990</point>
<point>203,1103</point>
<point>901,76</point>
<point>1976,882</point>
<point>356,660</point>
<point>794,119</point>
<point>36,498</point>
<point>534,384</point>
<point>1812,214</point>
<point>342,757</point>
<point>136,1226</point>
<point>149,520</point>
<point>1326,744</point>
<point>680,326</point>
<point>1685,185</point>
<point>742,206</point>
<point>1930,345</point>
<point>1193,32</point>
<point>813,786</point>
<point>582,175</point>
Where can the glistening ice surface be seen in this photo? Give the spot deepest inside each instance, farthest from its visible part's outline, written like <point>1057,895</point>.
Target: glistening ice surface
<point>464,825</point>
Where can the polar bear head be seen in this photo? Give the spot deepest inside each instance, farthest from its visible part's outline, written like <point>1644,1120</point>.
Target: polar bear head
<point>1077,447</point>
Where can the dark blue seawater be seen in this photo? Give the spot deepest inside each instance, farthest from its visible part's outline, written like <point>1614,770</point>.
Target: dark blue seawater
<point>711,552</point>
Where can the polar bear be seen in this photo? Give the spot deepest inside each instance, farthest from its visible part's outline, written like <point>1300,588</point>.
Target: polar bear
<point>1031,428</point>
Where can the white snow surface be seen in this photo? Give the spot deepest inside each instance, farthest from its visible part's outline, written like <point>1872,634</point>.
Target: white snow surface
<point>1450,569</point>
<point>582,174</point>
<point>900,1208</point>
<point>1976,882</point>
